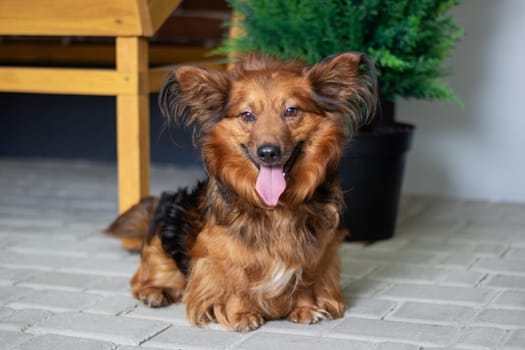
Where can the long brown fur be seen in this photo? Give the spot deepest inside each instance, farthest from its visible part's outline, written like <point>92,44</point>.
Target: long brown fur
<point>250,262</point>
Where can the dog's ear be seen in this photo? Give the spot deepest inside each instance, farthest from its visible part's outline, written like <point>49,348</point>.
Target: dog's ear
<point>194,96</point>
<point>346,84</point>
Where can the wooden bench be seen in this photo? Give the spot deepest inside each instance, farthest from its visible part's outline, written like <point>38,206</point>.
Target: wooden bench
<point>130,23</point>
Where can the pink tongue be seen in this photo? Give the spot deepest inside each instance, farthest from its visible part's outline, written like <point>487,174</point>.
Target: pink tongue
<point>270,184</point>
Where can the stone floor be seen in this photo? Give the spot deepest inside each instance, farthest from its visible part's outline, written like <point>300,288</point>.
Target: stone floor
<point>452,278</point>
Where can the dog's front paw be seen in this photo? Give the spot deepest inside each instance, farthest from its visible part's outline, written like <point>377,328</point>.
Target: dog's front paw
<point>153,297</point>
<point>246,322</point>
<point>334,308</point>
<point>308,315</point>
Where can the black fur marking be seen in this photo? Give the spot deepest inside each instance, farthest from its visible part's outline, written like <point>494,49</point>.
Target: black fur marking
<point>177,222</point>
<point>168,102</point>
<point>226,193</point>
<point>176,103</point>
<point>293,158</point>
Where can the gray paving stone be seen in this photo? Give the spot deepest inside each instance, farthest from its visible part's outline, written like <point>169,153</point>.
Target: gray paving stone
<point>481,337</point>
<point>440,294</point>
<point>429,229</point>
<point>394,331</point>
<point>55,301</point>
<point>58,342</point>
<point>370,308</point>
<point>19,320</point>
<point>443,247</point>
<point>112,305</point>
<point>287,327</point>
<point>396,346</point>
<point>11,339</point>
<point>34,261</point>
<point>9,277</point>
<point>120,330</point>
<point>81,248</point>
<point>102,267</point>
<point>488,249</point>
<point>345,281</point>
<point>389,245</point>
<point>6,240</point>
<point>175,314</point>
<point>32,223</point>
<point>264,341</point>
<point>501,318</point>
<point>463,278</point>
<point>515,253</point>
<point>357,269</point>
<point>59,281</point>
<point>47,246</point>
<point>510,299</point>
<point>457,261</point>
<point>505,281</point>
<point>511,212</point>
<point>111,286</point>
<point>398,257</point>
<point>516,340</point>
<point>65,232</point>
<point>408,274</point>
<point>412,206</point>
<point>497,232</point>
<point>454,315</point>
<point>195,338</point>
<point>364,288</point>
<point>9,294</point>
<point>500,266</point>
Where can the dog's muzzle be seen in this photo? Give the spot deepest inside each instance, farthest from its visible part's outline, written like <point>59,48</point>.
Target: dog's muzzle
<point>272,177</point>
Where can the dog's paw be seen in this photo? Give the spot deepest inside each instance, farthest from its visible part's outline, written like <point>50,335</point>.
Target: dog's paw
<point>246,322</point>
<point>153,297</point>
<point>334,308</point>
<point>308,315</point>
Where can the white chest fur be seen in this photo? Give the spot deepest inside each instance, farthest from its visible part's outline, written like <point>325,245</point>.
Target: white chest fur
<point>278,281</point>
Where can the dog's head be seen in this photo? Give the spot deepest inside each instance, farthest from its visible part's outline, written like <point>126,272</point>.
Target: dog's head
<point>272,131</point>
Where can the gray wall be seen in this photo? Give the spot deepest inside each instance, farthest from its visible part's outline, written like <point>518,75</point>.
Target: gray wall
<point>476,152</point>
<point>80,127</point>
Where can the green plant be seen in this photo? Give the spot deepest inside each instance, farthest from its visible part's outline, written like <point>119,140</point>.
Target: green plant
<point>408,40</point>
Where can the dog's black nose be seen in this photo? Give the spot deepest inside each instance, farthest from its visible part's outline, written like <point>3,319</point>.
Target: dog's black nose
<point>269,154</point>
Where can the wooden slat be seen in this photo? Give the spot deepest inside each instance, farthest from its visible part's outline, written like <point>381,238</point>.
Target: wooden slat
<point>133,145</point>
<point>70,17</point>
<point>132,149</point>
<point>67,81</point>
<point>133,124</point>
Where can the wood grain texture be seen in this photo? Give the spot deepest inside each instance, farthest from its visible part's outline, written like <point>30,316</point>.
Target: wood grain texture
<point>65,17</point>
<point>67,81</point>
<point>133,151</point>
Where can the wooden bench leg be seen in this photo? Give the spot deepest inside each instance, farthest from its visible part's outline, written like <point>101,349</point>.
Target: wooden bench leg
<point>133,144</point>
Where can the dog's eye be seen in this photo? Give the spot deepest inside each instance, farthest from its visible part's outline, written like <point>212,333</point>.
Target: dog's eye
<point>247,116</point>
<point>291,112</point>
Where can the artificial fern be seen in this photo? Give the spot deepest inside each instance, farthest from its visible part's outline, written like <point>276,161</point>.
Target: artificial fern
<point>408,39</point>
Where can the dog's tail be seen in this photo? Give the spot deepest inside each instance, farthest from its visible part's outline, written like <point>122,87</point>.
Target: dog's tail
<point>132,226</point>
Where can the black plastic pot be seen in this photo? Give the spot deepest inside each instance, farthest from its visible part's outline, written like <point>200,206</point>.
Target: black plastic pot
<point>371,176</point>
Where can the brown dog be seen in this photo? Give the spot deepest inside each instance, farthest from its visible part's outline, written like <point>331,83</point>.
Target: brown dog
<point>258,240</point>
